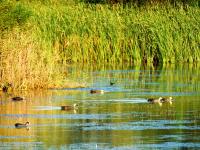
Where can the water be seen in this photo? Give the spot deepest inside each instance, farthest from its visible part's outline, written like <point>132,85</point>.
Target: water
<point>119,119</point>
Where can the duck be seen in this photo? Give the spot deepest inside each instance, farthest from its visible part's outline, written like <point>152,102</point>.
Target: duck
<point>154,100</point>
<point>6,87</point>
<point>68,107</point>
<point>97,91</point>
<point>169,99</point>
<point>17,98</point>
<point>112,83</point>
<point>22,125</point>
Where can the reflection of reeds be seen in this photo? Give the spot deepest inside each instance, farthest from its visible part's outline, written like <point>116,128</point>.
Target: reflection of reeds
<point>182,78</point>
<point>113,120</point>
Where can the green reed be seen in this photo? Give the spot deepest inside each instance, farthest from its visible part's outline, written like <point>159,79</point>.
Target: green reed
<point>103,33</point>
<point>55,33</point>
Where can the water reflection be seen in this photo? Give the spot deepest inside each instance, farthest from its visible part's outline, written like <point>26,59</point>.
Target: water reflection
<point>119,119</point>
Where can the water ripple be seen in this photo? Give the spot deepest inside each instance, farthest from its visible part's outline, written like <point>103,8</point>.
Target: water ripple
<point>141,126</point>
<point>14,137</point>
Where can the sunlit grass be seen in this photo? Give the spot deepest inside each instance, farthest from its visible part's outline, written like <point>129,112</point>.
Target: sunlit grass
<point>104,33</point>
<point>39,37</point>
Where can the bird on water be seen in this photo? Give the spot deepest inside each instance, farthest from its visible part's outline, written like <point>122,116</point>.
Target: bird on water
<point>155,100</point>
<point>68,107</point>
<point>96,91</point>
<point>169,100</point>
<point>22,125</point>
<point>112,83</point>
<point>17,98</point>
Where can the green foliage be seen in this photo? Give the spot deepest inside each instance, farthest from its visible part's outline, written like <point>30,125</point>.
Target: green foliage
<point>12,15</point>
<point>144,2</point>
<point>95,1</point>
<point>102,33</point>
<point>62,32</point>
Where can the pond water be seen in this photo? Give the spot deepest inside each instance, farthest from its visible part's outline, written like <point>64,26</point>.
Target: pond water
<point>121,118</point>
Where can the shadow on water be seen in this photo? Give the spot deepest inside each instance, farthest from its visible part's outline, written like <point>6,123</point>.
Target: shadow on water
<point>120,118</point>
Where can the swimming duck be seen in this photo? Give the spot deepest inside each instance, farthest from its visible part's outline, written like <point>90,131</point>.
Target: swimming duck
<point>170,99</point>
<point>112,83</point>
<point>154,100</point>
<point>17,98</point>
<point>67,107</point>
<point>96,91</point>
<point>22,125</point>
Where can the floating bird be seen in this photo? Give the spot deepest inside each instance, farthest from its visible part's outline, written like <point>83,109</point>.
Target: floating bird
<point>170,99</point>
<point>96,91</point>
<point>67,107</point>
<point>154,100</point>
<point>112,83</point>
<point>17,98</point>
<point>22,125</point>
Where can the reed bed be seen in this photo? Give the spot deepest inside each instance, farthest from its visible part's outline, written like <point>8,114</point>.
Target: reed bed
<point>115,33</point>
<point>41,36</point>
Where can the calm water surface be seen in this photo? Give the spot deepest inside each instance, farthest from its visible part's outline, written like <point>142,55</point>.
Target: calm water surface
<point>119,119</point>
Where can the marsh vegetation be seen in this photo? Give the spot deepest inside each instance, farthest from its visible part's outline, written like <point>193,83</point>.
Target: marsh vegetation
<point>38,39</point>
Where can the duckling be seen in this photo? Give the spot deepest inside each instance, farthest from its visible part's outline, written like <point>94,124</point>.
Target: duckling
<point>154,100</point>
<point>69,107</point>
<point>170,99</point>
<point>97,91</point>
<point>22,125</point>
<point>17,98</point>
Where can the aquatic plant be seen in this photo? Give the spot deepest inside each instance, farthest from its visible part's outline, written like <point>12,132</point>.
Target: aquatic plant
<point>39,38</point>
<point>23,62</point>
<point>103,33</point>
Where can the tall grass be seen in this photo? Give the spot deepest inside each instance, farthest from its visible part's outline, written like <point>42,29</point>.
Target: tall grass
<point>37,37</point>
<point>103,33</point>
<point>23,61</point>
